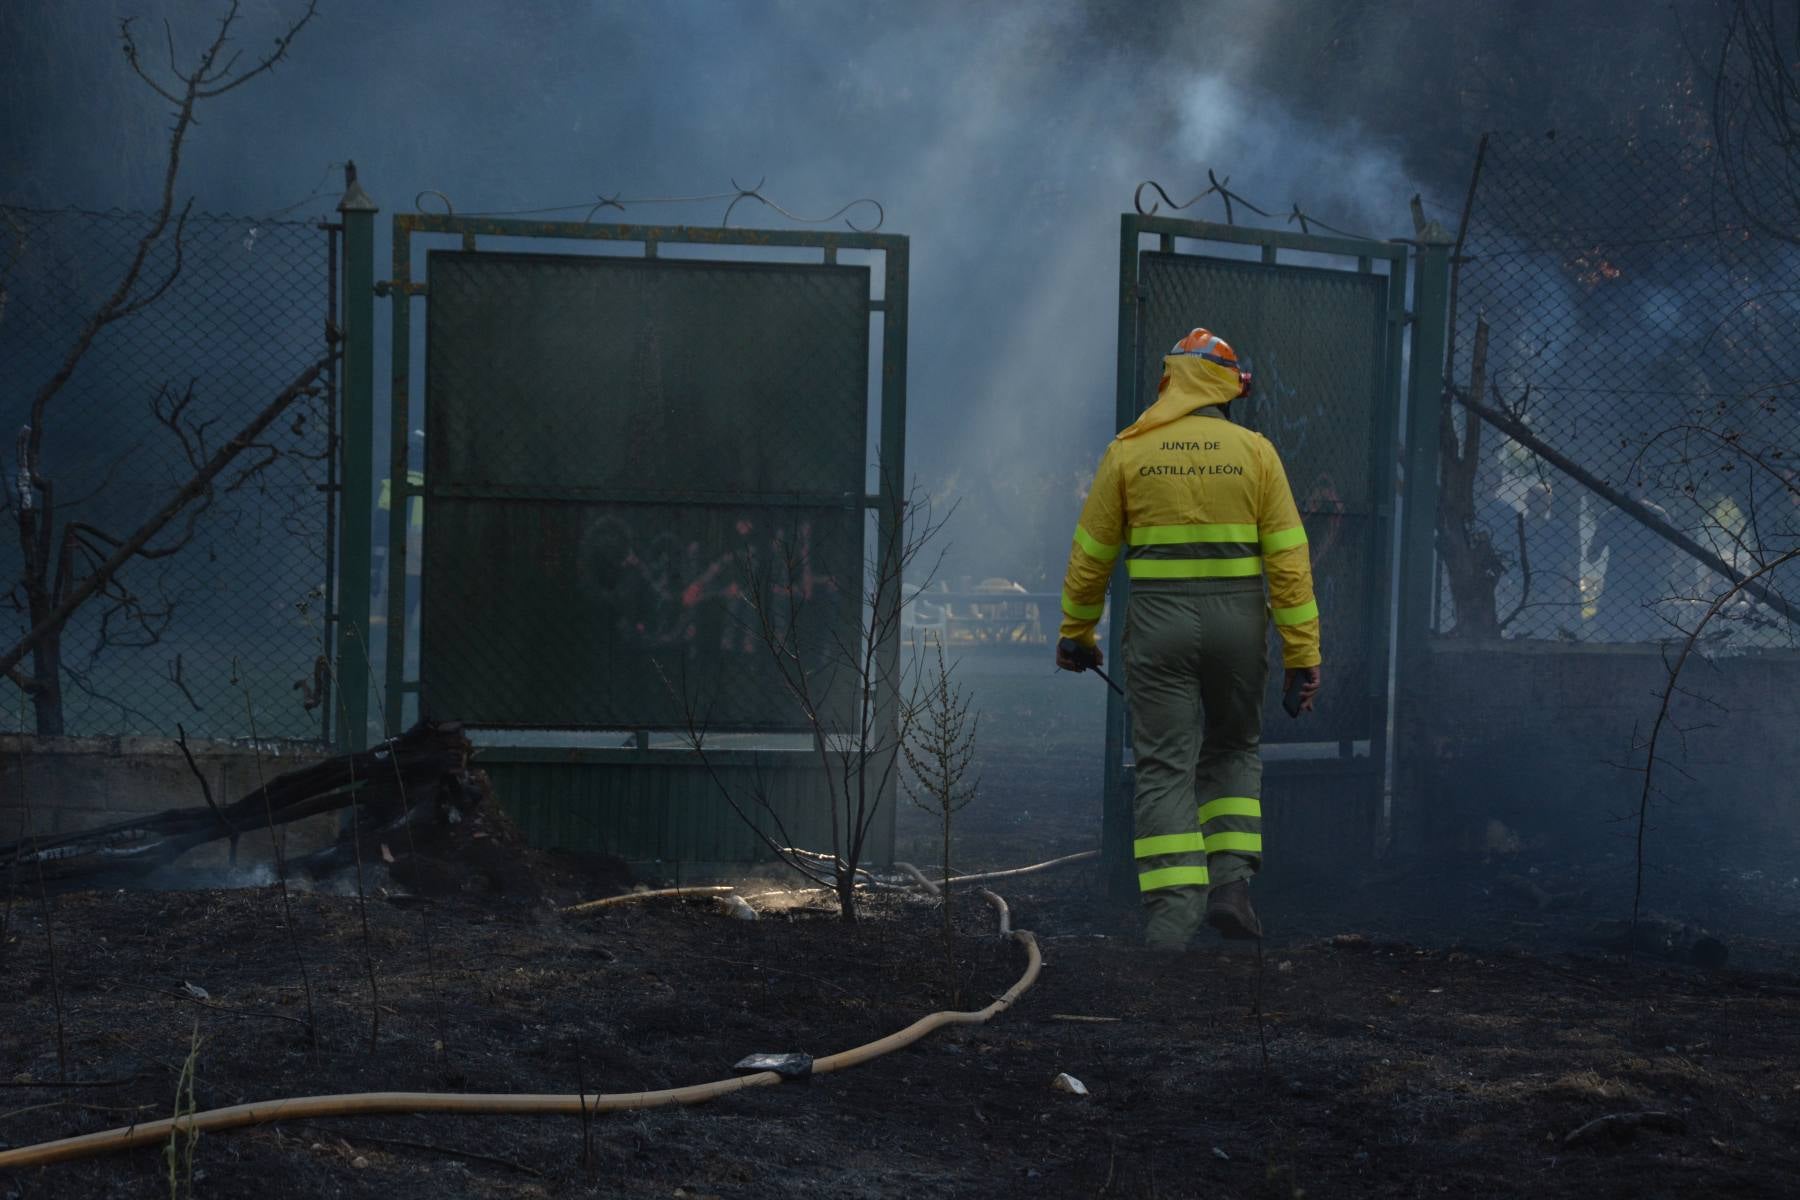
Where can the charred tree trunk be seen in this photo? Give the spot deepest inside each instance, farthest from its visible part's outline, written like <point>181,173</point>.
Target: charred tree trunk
<point>1472,566</point>
<point>45,683</point>
<point>46,696</point>
<point>846,894</point>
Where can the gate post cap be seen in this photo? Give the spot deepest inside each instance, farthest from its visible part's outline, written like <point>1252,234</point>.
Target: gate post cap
<point>1428,232</point>
<point>355,199</point>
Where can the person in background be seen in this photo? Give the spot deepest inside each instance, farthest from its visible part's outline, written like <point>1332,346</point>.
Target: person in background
<point>1640,579</point>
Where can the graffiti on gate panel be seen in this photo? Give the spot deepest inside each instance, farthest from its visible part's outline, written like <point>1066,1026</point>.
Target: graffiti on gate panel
<point>653,589</point>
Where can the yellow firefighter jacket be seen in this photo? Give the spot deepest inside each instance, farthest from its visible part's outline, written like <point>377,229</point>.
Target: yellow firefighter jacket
<point>1187,495</point>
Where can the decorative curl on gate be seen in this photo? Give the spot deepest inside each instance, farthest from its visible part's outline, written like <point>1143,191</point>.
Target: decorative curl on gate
<point>1214,186</point>
<point>1218,187</point>
<point>755,193</point>
<point>733,198</point>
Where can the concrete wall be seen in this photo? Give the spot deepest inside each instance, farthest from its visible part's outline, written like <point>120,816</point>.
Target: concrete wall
<point>77,783</point>
<point>1535,734</point>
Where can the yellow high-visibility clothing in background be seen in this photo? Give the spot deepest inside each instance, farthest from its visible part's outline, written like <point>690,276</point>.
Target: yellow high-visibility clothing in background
<point>415,509</point>
<point>1187,495</point>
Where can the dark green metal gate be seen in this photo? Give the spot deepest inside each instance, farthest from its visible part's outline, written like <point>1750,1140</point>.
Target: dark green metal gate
<point>1319,321</point>
<point>614,441</point>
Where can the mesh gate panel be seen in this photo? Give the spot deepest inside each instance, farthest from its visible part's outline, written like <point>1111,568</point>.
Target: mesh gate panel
<point>604,437</point>
<point>1314,340</point>
<point>663,378</point>
<point>615,615</point>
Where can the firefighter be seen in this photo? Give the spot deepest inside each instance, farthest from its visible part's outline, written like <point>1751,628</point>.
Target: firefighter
<point>1202,511</point>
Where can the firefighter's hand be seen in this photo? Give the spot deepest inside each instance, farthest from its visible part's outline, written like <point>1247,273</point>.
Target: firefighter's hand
<point>1072,655</point>
<point>1310,681</point>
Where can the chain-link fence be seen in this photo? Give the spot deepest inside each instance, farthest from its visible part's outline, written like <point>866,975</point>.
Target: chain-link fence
<point>1646,340</point>
<point>223,635</point>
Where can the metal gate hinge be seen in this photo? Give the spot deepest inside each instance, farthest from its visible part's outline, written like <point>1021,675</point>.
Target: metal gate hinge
<point>386,287</point>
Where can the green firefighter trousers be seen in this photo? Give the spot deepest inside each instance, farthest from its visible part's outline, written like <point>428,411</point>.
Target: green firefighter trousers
<point>1196,664</point>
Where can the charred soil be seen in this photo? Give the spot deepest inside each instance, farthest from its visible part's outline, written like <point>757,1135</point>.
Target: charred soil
<point>1425,1030</point>
<point>1390,1069</point>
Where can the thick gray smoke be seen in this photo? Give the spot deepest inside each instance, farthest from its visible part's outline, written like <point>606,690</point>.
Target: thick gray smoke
<point>1004,138</point>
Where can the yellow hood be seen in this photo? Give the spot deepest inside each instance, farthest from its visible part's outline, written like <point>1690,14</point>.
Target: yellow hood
<point>1188,382</point>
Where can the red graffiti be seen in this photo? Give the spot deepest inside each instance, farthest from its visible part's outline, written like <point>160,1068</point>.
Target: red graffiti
<point>670,593</point>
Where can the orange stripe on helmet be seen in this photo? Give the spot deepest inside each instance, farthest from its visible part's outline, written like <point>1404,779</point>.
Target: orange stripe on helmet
<point>1208,345</point>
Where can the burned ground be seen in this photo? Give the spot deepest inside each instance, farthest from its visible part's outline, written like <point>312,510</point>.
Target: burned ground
<point>1391,1069</point>
<point>1423,1032</point>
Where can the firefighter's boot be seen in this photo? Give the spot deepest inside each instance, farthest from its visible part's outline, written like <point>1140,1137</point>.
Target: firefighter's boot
<point>1228,910</point>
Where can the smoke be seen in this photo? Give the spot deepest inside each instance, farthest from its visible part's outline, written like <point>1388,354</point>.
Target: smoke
<point>262,874</point>
<point>1005,139</point>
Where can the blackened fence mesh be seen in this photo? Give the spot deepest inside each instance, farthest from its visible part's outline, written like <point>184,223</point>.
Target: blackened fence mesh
<point>225,631</point>
<point>1643,329</point>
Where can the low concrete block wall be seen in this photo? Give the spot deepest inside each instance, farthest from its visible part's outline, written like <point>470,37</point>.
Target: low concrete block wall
<point>1541,736</point>
<point>70,784</point>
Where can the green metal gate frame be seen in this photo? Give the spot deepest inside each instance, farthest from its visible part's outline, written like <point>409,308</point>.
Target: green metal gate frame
<point>547,785</point>
<point>1429,271</point>
<point>888,502</point>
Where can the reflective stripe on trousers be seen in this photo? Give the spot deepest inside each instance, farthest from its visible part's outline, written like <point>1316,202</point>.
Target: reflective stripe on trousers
<point>1196,664</point>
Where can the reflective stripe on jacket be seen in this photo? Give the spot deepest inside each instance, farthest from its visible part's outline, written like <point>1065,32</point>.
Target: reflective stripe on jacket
<point>1193,497</point>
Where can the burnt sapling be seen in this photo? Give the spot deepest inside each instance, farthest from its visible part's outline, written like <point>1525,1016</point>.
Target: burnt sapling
<point>938,744</point>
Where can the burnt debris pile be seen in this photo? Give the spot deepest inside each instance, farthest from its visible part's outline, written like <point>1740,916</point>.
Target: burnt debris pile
<point>413,805</point>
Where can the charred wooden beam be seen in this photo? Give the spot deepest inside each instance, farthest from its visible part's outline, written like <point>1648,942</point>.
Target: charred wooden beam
<point>387,784</point>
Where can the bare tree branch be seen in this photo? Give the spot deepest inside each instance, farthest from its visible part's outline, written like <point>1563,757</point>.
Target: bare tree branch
<point>136,544</point>
<point>267,63</point>
<point>1662,717</point>
<point>49,598</point>
<point>855,737</point>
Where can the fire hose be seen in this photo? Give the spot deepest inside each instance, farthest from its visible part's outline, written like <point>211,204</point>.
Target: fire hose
<point>294,1108</point>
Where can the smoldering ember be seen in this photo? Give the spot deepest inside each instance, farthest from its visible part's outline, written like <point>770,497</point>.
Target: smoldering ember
<point>1077,598</point>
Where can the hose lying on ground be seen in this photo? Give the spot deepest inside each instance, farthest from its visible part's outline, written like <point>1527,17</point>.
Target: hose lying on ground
<point>686,893</point>
<point>932,886</point>
<point>262,1112</point>
<point>1000,906</point>
<point>983,876</point>
<point>918,876</point>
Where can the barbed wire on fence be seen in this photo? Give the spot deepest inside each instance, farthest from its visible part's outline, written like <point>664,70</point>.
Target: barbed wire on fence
<point>736,196</point>
<point>1231,200</point>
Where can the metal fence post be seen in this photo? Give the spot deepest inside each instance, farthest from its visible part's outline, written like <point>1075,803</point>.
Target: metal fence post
<point>356,461</point>
<point>399,475</point>
<point>1115,813</point>
<point>1419,502</point>
<point>891,531</point>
